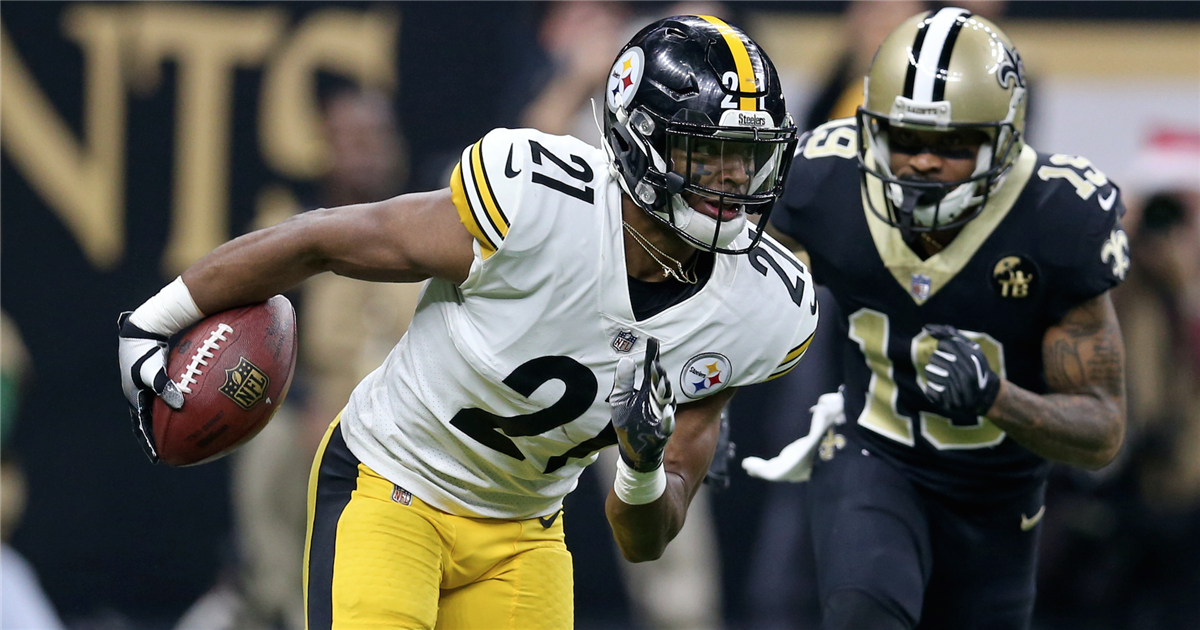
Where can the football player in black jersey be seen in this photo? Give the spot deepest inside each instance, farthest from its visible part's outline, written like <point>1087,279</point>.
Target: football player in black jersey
<point>973,276</point>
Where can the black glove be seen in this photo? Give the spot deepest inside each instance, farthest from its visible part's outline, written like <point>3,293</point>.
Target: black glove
<point>143,358</point>
<point>958,378</point>
<point>718,471</point>
<point>643,418</point>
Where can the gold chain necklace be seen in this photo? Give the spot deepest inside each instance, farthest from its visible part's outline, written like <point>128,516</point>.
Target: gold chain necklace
<point>687,276</point>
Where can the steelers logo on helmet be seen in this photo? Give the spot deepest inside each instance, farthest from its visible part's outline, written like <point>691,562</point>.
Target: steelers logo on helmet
<point>697,131</point>
<point>705,374</point>
<point>624,78</point>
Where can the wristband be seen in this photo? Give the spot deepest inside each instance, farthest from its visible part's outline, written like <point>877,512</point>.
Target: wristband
<point>168,312</point>
<point>637,488</point>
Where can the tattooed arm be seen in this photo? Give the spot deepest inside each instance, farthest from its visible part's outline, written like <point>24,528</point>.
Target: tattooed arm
<point>1082,420</point>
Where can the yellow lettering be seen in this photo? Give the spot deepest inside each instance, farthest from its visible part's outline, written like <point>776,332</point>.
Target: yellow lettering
<point>82,182</point>
<point>359,45</point>
<point>208,43</point>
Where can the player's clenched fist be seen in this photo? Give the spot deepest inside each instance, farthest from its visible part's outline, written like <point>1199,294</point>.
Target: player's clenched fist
<point>643,418</point>
<point>959,379</point>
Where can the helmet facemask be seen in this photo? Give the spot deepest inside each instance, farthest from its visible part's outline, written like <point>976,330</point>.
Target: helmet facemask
<point>916,206</point>
<point>730,172</point>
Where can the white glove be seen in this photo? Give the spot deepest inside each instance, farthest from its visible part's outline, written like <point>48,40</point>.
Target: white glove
<point>142,350</point>
<point>794,463</point>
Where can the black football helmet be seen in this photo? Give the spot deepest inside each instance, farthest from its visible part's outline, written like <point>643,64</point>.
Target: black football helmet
<point>693,105</point>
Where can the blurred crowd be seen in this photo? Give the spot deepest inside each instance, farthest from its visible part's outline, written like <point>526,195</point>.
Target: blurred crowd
<point>1120,548</point>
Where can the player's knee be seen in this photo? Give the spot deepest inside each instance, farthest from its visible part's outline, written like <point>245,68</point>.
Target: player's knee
<point>855,610</point>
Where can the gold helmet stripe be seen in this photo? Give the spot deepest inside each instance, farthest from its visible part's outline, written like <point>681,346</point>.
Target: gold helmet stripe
<point>931,51</point>
<point>741,59</point>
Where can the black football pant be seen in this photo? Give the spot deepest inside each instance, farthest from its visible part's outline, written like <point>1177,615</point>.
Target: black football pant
<point>891,556</point>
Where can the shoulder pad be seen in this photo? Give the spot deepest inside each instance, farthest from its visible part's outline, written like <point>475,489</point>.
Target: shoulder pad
<point>821,153</point>
<point>1077,198</point>
<point>496,176</point>
<point>836,138</point>
<point>786,273</point>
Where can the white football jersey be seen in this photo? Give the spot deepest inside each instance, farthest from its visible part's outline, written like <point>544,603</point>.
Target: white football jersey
<point>496,399</point>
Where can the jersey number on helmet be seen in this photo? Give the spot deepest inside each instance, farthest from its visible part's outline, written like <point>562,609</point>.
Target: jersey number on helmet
<point>871,330</point>
<point>584,173</point>
<point>579,390</point>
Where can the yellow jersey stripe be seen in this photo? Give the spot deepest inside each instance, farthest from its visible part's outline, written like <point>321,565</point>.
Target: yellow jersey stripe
<point>798,350</point>
<point>792,359</point>
<point>741,59</point>
<point>776,375</point>
<point>458,195</point>
<point>483,187</point>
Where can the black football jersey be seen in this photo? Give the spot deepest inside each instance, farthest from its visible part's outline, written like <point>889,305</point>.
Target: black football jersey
<point>1048,239</point>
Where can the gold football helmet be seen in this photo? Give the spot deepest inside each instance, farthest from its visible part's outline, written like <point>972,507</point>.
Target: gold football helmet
<point>942,71</point>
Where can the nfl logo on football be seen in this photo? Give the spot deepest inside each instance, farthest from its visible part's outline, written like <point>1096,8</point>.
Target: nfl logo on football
<point>624,341</point>
<point>921,284</point>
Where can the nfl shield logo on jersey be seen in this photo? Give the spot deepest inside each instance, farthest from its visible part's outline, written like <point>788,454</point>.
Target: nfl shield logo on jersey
<point>921,285</point>
<point>624,341</point>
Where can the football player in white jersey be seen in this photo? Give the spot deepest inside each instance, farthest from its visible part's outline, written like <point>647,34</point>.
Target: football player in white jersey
<point>577,298</point>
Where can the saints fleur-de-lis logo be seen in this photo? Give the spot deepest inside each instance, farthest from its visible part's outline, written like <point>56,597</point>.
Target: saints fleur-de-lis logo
<point>830,445</point>
<point>1011,70</point>
<point>1116,250</point>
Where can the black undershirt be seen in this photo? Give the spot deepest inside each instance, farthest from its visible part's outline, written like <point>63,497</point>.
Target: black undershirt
<point>651,298</point>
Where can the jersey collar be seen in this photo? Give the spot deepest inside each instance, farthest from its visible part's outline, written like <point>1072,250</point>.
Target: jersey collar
<point>940,269</point>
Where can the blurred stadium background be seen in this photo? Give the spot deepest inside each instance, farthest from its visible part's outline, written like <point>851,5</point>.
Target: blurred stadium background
<point>136,137</point>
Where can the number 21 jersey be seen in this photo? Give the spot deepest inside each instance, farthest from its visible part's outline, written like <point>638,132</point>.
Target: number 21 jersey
<point>496,399</point>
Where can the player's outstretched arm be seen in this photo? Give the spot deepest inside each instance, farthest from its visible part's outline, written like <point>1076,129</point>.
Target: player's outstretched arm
<point>404,239</point>
<point>1082,422</point>
<point>643,531</point>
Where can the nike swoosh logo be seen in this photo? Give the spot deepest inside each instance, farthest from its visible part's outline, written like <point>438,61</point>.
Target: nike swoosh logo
<point>1106,203</point>
<point>1028,522</point>
<point>547,523</point>
<point>509,172</point>
<point>979,375</point>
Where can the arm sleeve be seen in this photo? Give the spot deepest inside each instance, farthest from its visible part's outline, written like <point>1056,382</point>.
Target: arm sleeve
<point>805,327</point>
<point>1099,259</point>
<point>487,200</point>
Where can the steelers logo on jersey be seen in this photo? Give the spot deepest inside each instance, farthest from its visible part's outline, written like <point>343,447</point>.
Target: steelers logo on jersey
<point>624,78</point>
<point>1014,276</point>
<point>705,374</point>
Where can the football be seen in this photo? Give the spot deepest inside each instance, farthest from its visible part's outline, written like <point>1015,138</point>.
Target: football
<point>234,369</point>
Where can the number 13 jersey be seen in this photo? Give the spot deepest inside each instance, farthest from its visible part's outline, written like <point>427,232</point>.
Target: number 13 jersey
<point>496,399</point>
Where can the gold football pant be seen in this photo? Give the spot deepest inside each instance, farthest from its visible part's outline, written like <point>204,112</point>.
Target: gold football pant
<point>377,557</point>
